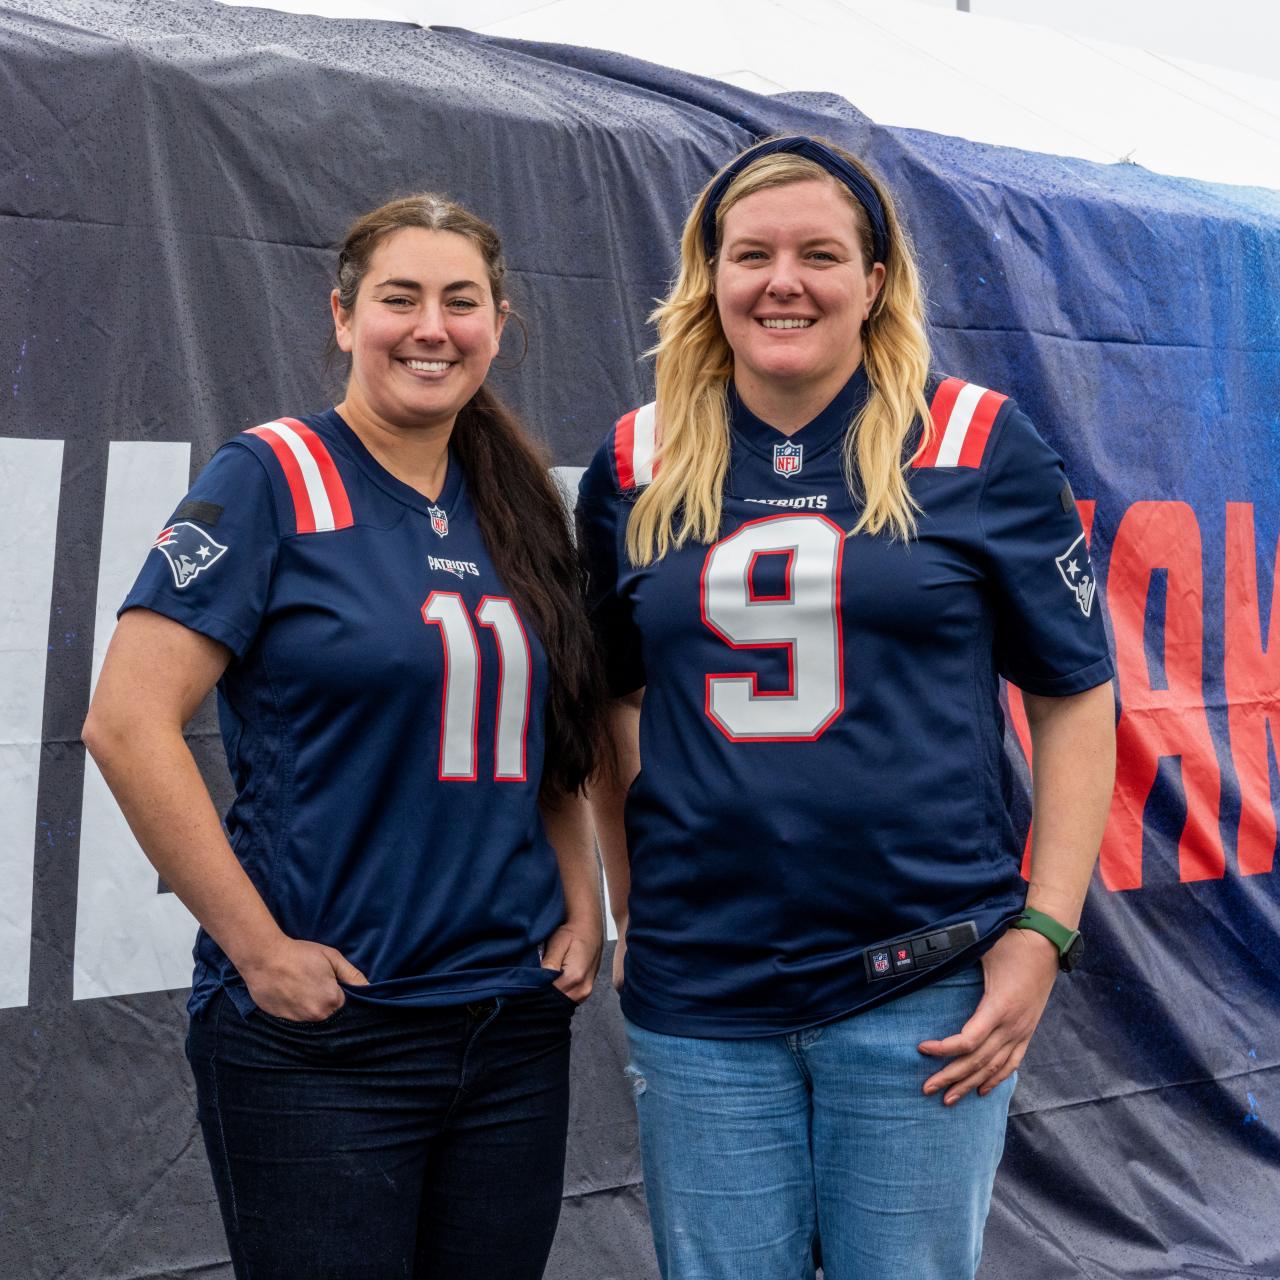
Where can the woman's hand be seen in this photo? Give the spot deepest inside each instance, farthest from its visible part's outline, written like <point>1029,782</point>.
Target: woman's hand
<point>299,980</point>
<point>1019,972</point>
<point>576,945</point>
<point>575,949</point>
<point>1073,769</point>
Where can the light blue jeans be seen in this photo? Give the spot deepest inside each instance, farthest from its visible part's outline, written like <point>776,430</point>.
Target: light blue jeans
<point>754,1148</point>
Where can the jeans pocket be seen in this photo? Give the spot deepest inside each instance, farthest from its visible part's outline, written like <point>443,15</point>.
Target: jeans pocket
<point>291,1025</point>
<point>566,1000</point>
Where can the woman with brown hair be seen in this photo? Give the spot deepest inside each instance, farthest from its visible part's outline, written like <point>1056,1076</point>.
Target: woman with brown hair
<point>811,559</point>
<point>402,908</point>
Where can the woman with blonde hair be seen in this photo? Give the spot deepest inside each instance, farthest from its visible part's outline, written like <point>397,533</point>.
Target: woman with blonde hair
<point>810,561</point>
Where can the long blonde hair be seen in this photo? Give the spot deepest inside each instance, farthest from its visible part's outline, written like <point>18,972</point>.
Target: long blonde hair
<point>694,363</point>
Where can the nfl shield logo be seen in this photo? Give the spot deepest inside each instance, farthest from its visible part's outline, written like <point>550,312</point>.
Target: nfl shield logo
<point>880,962</point>
<point>788,458</point>
<point>439,520</point>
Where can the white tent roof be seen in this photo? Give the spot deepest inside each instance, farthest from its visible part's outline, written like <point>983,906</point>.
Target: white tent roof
<point>920,66</point>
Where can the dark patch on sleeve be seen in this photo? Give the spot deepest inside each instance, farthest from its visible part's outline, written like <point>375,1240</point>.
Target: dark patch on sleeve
<point>1068,499</point>
<point>203,512</point>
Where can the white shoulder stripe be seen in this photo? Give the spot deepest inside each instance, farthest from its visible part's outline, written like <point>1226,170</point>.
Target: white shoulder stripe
<point>958,424</point>
<point>317,495</point>
<point>644,444</point>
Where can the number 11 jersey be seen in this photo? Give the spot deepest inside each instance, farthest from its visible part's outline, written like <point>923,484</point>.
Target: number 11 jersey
<point>821,740</point>
<point>382,713</point>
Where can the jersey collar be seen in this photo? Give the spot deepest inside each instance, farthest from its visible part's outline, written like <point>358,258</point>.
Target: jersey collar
<point>827,428</point>
<point>383,478</point>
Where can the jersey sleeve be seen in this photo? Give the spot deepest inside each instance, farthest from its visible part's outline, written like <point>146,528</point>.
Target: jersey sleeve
<point>210,567</point>
<point>1049,636</point>
<point>601,518</point>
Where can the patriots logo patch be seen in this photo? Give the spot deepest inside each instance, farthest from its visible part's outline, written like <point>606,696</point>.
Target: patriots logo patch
<point>188,549</point>
<point>1077,573</point>
<point>788,458</point>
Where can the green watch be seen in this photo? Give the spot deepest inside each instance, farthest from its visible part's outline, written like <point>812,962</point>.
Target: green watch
<point>1068,941</point>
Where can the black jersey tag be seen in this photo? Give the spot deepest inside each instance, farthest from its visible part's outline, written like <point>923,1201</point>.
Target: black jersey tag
<point>920,951</point>
<point>207,513</point>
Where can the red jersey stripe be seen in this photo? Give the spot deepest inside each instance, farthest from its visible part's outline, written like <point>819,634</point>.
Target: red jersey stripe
<point>975,440</point>
<point>944,400</point>
<point>333,486</point>
<point>624,447</point>
<point>304,517</point>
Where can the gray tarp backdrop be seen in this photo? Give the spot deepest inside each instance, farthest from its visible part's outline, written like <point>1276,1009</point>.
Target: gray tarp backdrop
<point>172,176</point>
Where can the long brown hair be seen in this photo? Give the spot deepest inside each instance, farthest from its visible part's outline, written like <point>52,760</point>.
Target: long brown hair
<point>522,516</point>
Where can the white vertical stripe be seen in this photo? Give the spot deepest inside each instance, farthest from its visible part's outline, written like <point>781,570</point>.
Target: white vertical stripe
<point>129,937</point>
<point>311,476</point>
<point>566,481</point>
<point>30,481</point>
<point>610,926</point>
<point>461,684</point>
<point>513,695</point>
<point>958,424</point>
<point>644,444</point>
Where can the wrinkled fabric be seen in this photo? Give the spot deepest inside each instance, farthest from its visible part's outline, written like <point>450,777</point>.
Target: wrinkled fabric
<point>174,176</point>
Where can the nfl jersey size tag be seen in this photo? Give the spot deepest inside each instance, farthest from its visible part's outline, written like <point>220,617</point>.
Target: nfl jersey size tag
<point>921,951</point>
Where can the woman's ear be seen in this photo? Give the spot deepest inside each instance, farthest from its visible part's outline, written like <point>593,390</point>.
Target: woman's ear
<point>341,323</point>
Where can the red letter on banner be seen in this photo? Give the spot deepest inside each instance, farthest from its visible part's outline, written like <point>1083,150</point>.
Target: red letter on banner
<point>1017,708</point>
<point>1160,722</point>
<point>1253,691</point>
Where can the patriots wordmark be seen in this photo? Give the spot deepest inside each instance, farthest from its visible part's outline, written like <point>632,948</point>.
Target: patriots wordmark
<point>457,567</point>
<point>803,502</point>
<point>188,549</point>
<point>1077,572</point>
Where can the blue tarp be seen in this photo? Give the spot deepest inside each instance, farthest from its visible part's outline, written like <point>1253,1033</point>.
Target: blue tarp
<point>174,176</point>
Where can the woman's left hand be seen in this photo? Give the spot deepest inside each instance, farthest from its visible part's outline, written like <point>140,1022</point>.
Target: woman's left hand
<point>575,949</point>
<point>1019,972</point>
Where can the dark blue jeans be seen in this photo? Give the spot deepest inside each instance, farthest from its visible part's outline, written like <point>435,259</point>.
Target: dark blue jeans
<point>426,1144</point>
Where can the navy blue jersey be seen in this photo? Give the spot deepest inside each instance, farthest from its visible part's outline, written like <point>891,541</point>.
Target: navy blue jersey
<point>821,736</point>
<point>382,714</point>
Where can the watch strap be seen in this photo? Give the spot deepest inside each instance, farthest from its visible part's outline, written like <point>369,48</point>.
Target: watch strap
<point>1045,925</point>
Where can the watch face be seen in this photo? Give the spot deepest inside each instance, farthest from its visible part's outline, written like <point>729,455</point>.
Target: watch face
<point>1072,956</point>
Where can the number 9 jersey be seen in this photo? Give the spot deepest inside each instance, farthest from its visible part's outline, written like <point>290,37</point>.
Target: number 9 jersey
<point>822,742</point>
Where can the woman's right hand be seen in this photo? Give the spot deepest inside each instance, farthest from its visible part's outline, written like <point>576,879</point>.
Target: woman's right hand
<point>299,980</point>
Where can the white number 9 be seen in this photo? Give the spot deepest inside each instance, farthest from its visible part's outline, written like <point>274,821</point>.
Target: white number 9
<point>804,619</point>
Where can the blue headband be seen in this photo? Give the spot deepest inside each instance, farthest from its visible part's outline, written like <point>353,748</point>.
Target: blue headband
<point>838,168</point>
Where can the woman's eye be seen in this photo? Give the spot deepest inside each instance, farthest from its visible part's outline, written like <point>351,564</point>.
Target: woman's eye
<point>751,255</point>
<point>398,302</point>
<point>462,304</point>
<point>822,255</point>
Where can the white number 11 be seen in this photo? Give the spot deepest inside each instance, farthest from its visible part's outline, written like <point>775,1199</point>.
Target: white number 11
<point>460,701</point>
